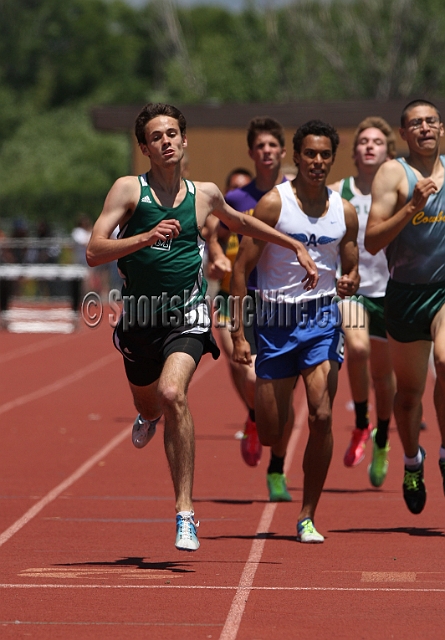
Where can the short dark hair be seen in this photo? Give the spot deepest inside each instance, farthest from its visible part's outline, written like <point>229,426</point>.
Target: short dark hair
<point>416,103</point>
<point>153,110</point>
<point>315,128</point>
<point>375,122</point>
<point>265,124</point>
<point>238,171</point>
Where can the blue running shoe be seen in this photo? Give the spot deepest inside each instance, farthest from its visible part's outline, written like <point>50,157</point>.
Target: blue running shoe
<point>186,537</point>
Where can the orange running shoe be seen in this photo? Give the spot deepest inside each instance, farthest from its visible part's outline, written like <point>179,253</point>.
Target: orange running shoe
<point>356,450</point>
<point>251,447</point>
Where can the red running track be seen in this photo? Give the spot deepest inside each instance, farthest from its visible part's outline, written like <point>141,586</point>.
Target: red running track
<point>87,521</point>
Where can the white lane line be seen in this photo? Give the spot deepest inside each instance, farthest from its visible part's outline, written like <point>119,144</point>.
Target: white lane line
<point>63,623</point>
<point>81,373</point>
<point>233,620</point>
<point>216,588</point>
<point>33,348</point>
<point>56,386</point>
<point>389,576</point>
<point>54,493</point>
<point>86,466</point>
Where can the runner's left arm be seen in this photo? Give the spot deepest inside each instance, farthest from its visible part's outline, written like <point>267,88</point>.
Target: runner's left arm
<point>349,281</point>
<point>249,253</point>
<point>253,226</point>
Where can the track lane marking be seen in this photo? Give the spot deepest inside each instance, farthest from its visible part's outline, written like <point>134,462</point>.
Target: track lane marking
<point>86,466</point>
<point>60,384</point>
<point>74,377</point>
<point>54,493</point>
<point>388,576</point>
<point>35,347</point>
<point>40,623</point>
<point>214,588</point>
<point>233,620</point>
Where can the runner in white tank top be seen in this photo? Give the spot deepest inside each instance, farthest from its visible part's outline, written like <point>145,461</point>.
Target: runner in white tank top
<point>373,144</point>
<point>279,273</point>
<point>299,331</point>
<point>373,270</point>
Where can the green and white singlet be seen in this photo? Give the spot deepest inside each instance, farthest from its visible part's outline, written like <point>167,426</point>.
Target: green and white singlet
<point>373,270</point>
<point>170,270</point>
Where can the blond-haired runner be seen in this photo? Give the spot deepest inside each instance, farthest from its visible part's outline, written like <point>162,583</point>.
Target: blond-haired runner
<point>366,343</point>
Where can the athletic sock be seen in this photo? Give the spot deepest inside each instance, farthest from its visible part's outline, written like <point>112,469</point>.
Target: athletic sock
<point>252,415</point>
<point>381,437</point>
<point>276,464</point>
<point>412,464</point>
<point>361,415</point>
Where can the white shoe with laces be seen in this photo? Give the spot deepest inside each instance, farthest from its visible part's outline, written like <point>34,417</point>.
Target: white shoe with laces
<point>306,532</point>
<point>186,536</point>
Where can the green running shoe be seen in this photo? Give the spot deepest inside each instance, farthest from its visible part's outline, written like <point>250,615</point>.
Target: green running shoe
<point>306,532</point>
<point>378,468</point>
<point>276,483</point>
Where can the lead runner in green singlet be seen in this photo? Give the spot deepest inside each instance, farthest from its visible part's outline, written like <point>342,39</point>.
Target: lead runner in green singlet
<point>159,251</point>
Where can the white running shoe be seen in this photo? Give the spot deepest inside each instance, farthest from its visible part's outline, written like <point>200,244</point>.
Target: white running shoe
<point>306,532</point>
<point>143,431</point>
<point>186,536</point>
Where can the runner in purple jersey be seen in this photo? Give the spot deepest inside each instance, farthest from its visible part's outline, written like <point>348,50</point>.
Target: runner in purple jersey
<point>265,139</point>
<point>245,200</point>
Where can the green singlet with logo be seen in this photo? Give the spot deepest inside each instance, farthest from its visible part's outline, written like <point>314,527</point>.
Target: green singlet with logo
<point>170,270</point>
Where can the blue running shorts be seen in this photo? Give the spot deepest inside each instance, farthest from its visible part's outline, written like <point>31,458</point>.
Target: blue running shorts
<point>294,337</point>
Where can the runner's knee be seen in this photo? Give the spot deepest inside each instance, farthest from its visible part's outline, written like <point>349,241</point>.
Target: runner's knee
<point>171,396</point>
<point>320,420</point>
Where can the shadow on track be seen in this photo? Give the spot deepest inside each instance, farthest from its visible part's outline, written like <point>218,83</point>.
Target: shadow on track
<point>133,562</point>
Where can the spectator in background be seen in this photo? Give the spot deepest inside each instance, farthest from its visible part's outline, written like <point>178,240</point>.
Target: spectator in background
<point>15,254</point>
<point>45,251</point>
<point>19,232</point>
<point>48,251</point>
<point>81,235</point>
